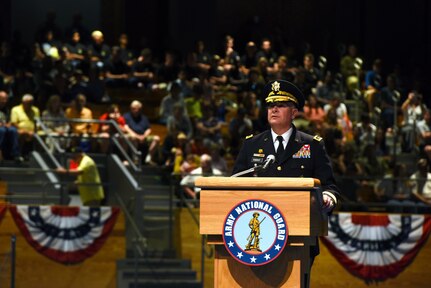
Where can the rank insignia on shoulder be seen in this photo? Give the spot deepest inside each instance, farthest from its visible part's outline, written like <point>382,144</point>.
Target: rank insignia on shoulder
<point>317,138</point>
<point>249,136</point>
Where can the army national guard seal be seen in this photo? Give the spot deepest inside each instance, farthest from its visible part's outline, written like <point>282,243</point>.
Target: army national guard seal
<point>255,232</point>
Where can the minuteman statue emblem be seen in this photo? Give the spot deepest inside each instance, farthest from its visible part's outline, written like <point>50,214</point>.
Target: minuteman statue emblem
<point>255,232</point>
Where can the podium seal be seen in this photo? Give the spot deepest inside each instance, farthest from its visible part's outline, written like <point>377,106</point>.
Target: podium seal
<point>255,232</point>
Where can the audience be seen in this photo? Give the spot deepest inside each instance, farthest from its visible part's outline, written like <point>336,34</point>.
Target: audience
<point>214,100</point>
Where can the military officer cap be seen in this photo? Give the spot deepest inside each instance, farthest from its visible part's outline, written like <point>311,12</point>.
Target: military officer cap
<point>283,91</point>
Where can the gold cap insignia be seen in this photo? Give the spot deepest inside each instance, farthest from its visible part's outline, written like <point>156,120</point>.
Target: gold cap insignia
<point>275,86</point>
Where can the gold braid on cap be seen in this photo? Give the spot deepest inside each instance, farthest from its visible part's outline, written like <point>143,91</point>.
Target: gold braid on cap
<point>280,96</point>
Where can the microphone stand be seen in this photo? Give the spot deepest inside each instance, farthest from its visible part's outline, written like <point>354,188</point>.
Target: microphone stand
<point>250,170</point>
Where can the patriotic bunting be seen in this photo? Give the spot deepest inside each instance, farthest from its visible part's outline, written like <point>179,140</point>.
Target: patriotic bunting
<point>67,235</point>
<point>376,247</point>
<point>2,211</point>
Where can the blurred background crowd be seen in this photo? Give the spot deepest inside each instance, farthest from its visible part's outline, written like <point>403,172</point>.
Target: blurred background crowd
<point>176,107</point>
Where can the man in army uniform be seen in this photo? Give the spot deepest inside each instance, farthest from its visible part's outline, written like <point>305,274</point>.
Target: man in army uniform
<point>297,154</point>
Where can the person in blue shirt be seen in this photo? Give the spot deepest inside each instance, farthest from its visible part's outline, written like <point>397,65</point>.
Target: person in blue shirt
<point>139,132</point>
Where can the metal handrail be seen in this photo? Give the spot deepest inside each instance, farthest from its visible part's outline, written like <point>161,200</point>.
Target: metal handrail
<point>205,252</point>
<point>39,123</point>
<point>141,241</point>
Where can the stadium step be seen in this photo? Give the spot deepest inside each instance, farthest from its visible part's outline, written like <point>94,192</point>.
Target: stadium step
<point>155,272</point>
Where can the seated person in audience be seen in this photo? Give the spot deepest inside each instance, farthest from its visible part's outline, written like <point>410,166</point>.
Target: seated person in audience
<point>248,60</point>
<point>23,117</point>
<point>230,58</point>
<point>190,162</point>
<point>194,103</point>
<point>197,146</point>
<point>424,132</point>
<point>282,70</point>
<point>179,121</point>
<point>126,54</point>
<point>350,68</point>
<point>203,57</point>
<point>174,148</point>
<point>314,113</point>
<point>78,110</point>
<point>372,165</point>
<point>106,130</point>
<point>326,90</point>
<point>387,102</point>
<point>395,188</point>
<point>9,146</point>
<point>209,128</point>
<point>205,169</point>
<point>342,116</point>
<point>168,70</point>
<point>421,182</point>
<point>239,128</point>
<point>139,132</point>
<point>98,50</point>
<point>54,119</point>
<point>117,71</point>
<point>168,102</point>
<point>218,161</point>
<point>143,70</point>
<point>364,132</point>
<point>75,51</point>
<point>313,76</point>
<point>413,110</point>
<point>217,74</point>
<point>81,131</point>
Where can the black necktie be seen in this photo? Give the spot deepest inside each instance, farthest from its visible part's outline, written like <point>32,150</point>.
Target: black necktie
<point>280,149</point>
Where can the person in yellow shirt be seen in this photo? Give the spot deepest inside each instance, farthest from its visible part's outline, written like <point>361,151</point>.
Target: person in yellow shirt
<point>23,118</point>
<point>81,131</point>
<point>88,179</point>
<point>77,110</point>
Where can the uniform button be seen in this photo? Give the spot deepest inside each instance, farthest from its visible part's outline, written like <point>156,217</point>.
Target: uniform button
<point>302,166</point>
<point>279,168</point>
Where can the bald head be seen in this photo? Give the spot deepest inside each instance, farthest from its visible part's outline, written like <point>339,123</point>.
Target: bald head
<point>27,98</point>
<point>135,107</point>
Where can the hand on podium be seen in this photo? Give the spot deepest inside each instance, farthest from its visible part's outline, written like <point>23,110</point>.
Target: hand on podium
<point>329,202</point>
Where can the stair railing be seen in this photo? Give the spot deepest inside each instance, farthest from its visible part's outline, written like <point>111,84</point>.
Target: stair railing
<point>207,251</point>
<point>134,160</point>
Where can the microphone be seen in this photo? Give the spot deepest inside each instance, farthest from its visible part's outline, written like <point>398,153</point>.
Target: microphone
<point>268,161</point>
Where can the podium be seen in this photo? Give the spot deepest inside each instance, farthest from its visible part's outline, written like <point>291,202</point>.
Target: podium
<point>298,199</point>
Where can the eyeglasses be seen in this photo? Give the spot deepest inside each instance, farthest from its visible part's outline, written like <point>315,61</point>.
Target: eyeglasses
<point>279,105</point>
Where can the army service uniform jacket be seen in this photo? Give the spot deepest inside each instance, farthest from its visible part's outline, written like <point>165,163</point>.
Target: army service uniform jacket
<point>304,156</point>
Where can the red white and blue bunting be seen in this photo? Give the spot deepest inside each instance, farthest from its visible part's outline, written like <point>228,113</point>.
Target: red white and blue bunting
<point>2,211</point>
<point>67,235</point>
<point>376,247</point>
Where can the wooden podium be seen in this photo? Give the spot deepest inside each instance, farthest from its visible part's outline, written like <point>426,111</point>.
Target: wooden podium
<point>298,199</point>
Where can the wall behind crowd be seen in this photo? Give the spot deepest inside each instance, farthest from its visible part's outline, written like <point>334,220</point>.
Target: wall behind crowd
<point>396,31</point>
<point>28,15</point>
